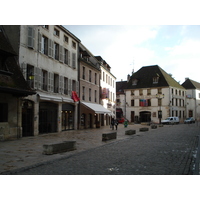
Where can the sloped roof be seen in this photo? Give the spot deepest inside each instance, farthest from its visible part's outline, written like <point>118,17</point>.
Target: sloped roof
<point>12,80</point>
<point>120,86</point>
<point>145,76</point>
<point>190,84</point>
<point>5,47</point>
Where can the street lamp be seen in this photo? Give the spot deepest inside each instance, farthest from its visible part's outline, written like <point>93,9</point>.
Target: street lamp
<point>159,97</point>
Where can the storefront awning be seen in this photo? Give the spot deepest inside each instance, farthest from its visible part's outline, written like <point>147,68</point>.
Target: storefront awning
<point>99,109</point>
<point>50,97</point>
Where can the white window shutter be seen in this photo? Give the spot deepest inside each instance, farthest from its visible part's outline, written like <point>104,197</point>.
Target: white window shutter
<point>60,53</point>
<point>49,81</point>
<point>74,60</point>
<point>52,81</point>
<point>69,86</point>
<point>69,62</point>
<point>61,84</point>
<point>39,72</point>
<point>52,49</point>
<point>24,70</point>
<point>39,42</point>
<point>35,78</point>
<point>31,37</point>
<point>77,87</point>
<point>49,48</point>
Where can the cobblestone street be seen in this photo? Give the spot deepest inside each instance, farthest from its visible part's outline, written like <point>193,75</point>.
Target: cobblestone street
<point>167,150</point>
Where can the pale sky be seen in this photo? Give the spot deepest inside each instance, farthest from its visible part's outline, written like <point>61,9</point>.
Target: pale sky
<point>175,48</point>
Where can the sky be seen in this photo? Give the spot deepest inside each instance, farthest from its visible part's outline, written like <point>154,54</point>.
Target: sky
<point>175,48</point>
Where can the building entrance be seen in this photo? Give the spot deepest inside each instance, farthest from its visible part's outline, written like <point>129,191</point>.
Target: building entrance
<point>67,117</point>
<point>145,116</point>
<point>27,118</point>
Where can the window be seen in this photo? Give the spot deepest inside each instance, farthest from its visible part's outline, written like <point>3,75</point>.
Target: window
<point>141,92</point>
<point>66,86</point>
<point>31,37</point>
<point>73,85</point>
<point>103,76</point>
<point>148,91</point>
<point>95,78</point>
<point>132,102</point>
<point>66,39</point>
<point>83,73</point>
<point>148,102</point>
<point>159,102</point>
<point>45,26</point>
<point>90,92</point>
<point>66,55</point>
<point>132,92</point>
<point>30,75</point>
<point>159,90</point>
<point>56,32</point>
<point>155,79</point>
<point>90,75</point>
<point>3,112</point>
<point>44,45</point>
<point>73,44</point>
<point>56,51</point>
<point>44,80</point>
<point>83,93</point>
<point>95,96</point>
<point>134,82</point>
<point>56,83</point>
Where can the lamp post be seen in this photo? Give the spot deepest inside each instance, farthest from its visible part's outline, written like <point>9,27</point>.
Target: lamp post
<point>159,97</point>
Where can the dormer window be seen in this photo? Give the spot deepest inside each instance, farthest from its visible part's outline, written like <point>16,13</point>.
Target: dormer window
<point>155,79</point>
<point>134,82</point>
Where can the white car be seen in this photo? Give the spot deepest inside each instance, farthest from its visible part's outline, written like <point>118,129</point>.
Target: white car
<point>189,120</point>
<point>170,120</point>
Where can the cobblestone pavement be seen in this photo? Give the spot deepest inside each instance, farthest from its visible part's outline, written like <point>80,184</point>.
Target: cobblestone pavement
<point>167,150</point>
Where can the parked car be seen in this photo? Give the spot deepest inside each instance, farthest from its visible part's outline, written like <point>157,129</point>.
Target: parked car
<point>189,120</point>
<point>170,120</point>
<point>120,120</point>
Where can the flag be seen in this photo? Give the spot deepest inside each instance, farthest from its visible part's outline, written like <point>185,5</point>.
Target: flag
<point>75,96</point>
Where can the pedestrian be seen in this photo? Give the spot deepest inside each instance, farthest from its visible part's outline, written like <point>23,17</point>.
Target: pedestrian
<point>116,123</point>
<point>125,124</point>
<point>112,123</point>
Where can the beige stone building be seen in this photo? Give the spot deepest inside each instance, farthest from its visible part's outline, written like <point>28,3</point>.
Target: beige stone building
<point>152,95</point>
<point>48,57</point>
<point>91,112</point>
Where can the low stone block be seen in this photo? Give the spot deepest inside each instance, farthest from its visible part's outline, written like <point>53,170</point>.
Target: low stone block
<point>144,129</point>
<point>153,126</point>
<point>49,149</point>
<point>130,132</point>
<point>109,136</point>
<point>160,125</point>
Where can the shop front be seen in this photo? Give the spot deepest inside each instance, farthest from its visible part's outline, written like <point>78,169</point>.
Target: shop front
<point>67,116</point>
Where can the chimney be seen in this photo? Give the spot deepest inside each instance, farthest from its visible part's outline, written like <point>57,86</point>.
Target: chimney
<point>128,77</point>
<point>186,78</point>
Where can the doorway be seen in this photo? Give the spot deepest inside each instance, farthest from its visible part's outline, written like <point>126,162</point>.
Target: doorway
<point>27,118</point>
<point>145,116</point>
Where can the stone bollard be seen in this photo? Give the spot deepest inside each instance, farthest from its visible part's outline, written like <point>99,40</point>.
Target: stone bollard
<point>49,149</point>
<point>130,132</point>
<point>109,136</point>
<point>153,126</point>
<point>144,129</point>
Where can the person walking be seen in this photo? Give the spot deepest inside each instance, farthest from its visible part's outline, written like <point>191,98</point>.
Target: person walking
<point>116,123</point>
<point>112,123</point>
